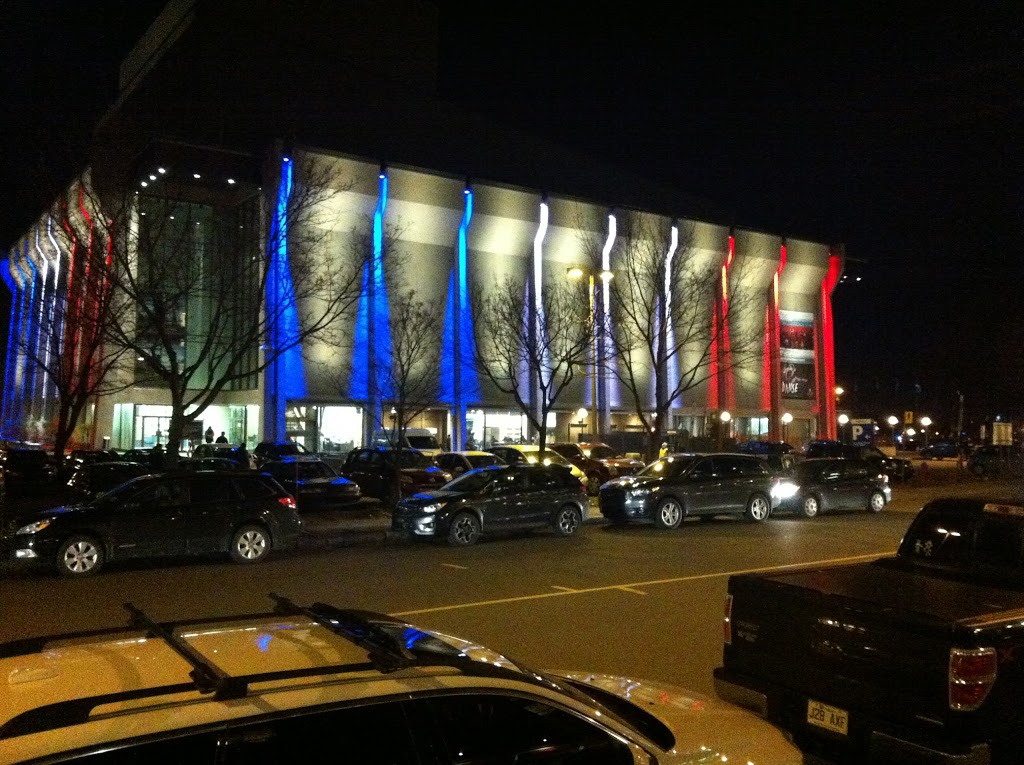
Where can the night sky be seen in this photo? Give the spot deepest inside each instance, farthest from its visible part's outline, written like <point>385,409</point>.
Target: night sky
<point>897,135</point>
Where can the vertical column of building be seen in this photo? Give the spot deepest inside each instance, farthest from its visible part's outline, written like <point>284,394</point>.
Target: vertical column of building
<point>378,346</point>
<point>726,378</point>
<point>771,376</point>
<point>10,357</point>
<point>604,330</point>
<point>36,341</point>
<point>465,386</point>
<point>537,320</point>
<point>22,334</point>
<point>826,372</point>
<point>54,321</point>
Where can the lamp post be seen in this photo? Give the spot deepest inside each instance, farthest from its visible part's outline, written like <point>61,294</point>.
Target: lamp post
<point>843,420</point>
<point>926,423</point>
<point>724,417</point>
<point>893,422</point>
<point>786,419</point>
<point>575,272</point>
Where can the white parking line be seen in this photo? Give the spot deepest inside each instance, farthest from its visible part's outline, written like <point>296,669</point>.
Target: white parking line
<point>632,590</point>
<point>452,565</point>
<point>563,589</point>
<point>674,580</point>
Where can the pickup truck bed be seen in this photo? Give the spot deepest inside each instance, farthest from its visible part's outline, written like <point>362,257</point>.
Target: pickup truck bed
<point>866,662</point>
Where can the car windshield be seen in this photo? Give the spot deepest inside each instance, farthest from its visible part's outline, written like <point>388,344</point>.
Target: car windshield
<point>600,452</point>
<point>472,481</point>
<point>668,466</point>
<point>408,458</point>
<point>482,460</point>
<point>307,470</point>
<point>548,458</point>
<point>124,491</point>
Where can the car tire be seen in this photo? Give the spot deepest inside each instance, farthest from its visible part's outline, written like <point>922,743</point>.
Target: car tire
<point>669,513</point>
<point>250,544</point>
<point>876,503</point>
<point>810,506</point>
<point>464,530</point>
<point>594,482</point>
<point>80,556</point>
<point>567,520</point>
<point>758,508</point>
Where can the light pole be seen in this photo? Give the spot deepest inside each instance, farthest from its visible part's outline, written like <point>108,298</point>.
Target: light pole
<point>575,272</point>
<point>843,419</point>
<point>926,423</point>
<point>724,417</point>
<point>786,419</point>
<point>893,422</point>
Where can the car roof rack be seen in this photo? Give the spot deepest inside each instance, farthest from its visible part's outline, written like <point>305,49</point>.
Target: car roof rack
<point>391,645</point>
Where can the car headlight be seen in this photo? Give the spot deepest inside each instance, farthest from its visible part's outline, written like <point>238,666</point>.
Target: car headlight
<point>784,489</point>
<point>432,508</point>
<point>32,528</point>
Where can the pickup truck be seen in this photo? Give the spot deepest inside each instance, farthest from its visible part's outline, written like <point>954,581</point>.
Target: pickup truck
<point>915,658</point>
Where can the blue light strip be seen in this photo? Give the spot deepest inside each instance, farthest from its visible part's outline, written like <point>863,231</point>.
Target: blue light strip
<point>289,372</point>
<point>56,334</point>
<point>24,313</point>
<point>381,314</point>
<point>467,382</point>
<point>12,287</point>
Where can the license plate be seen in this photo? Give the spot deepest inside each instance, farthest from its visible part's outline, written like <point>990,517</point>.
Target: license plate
<point>830,718</point>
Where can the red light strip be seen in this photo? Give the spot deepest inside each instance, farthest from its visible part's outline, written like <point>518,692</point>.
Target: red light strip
<point>827,403</point>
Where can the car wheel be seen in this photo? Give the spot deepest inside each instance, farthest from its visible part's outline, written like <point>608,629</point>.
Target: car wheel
<point>464,530</point>
<point>810,507</point>
<point>250,544</point>
<point>567,520</point>
<point>876,503</point>
<point>80,556</point>
<point>594,483</point>
<point>758,508</point>
<point>668,514</point>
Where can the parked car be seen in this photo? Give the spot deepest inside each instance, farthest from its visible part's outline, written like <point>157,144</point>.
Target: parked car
<point>237,453</point>
<point>313,483</point>
<point>220,464</point>
<point>496,498</point>
<point>822,485</point>
<point>458,463</point>
<point>618,464</point>
<point>415,438</point>
<point>94,478</point>
<point>519,454</point>
<point>764,447</point>
<point>991,460</point>
<point>681,485</point>
<point>275,450</point>
<point>597,471</point>
<point>263,688</point>
<point>390,474</point>
<point>28,471</point>
<point>938,450</point>
<point>896,468</point>
<point>171,514</point>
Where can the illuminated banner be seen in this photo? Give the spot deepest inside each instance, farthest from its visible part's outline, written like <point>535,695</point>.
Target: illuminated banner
<point>797,354</point>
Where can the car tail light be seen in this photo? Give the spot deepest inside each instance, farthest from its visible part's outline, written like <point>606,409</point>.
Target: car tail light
<point>288,501</point>
<point>727,620</point>
<point>972,673</point>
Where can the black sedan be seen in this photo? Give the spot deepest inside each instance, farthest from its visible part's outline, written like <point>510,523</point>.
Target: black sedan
<point>823,485</point>
<point>245,515</point>
<point>313,482</point>
<point>503,497</point>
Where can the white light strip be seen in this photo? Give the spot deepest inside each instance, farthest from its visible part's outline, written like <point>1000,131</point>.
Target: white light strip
<point>668,268</point>
<point>538,252</point>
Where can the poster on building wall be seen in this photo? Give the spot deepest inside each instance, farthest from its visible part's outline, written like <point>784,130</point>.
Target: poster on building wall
<point>797,354</point>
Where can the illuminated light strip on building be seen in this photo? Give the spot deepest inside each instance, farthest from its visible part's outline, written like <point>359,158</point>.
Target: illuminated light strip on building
<point>289,374</point>
<point>728,378</point>
<point>381,326</point>
<point>670,332</point>
<point>39,342</point>
<point>54,333</point>
<point>24,329</point>
<point>68,345</point>
<point>12,287</point>
<point>466,385</point>
<point>827,402</point>
<point>538,306</point>
<point>606,396</point>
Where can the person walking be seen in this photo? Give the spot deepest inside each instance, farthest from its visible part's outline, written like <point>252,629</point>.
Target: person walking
<point>209,435</point>
<point>222,439</point>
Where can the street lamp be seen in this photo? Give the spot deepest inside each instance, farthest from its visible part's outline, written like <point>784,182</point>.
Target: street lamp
<point>724,417</point>
<point>893,422</point>
<point>843,419</point>
<point>926,423</point>
<point>786,419</point>
<point>576,272</point>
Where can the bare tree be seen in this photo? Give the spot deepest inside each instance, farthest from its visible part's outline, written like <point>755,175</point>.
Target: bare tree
<point>529,348</point>
<point>65,343</point>
<point>210,296</point>
<point>672,318</point>
<point>410,376</point>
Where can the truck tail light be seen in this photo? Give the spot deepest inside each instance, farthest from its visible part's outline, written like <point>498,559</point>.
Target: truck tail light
<point>972,673</point>
<point>727,620</point>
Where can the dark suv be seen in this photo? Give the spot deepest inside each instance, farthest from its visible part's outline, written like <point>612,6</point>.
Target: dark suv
<point>596,471</point>
<point>171,514</point>
<point>681,485</point>
<point>390,474</point>
<point>894,467</point>
<point>28,471</point>
<point>276,450</point>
